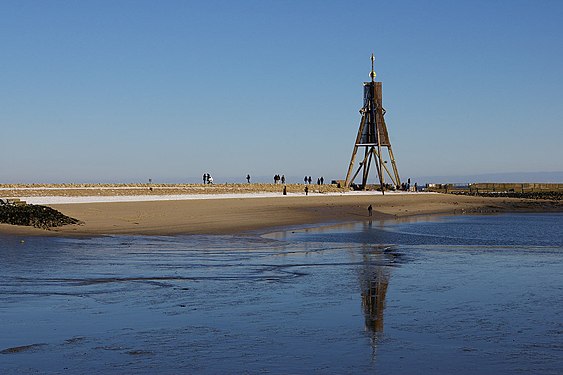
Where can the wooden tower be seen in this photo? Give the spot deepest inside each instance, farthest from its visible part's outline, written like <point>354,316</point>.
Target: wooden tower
<point>372,137</point>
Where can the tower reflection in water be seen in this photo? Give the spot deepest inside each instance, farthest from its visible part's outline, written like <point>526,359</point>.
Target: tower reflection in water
<point>377,262</point>
<point>374,282</point>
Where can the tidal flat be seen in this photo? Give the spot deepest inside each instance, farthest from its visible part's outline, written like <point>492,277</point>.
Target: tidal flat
<point>463,294</point>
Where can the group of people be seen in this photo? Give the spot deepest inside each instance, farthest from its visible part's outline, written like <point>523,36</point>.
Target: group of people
<point>309,180</point>
<point>207,179</point>
<point>407,186</point>
<point>278,178</point>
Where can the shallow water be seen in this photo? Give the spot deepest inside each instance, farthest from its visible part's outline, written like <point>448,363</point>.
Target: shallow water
<point>469,294</point>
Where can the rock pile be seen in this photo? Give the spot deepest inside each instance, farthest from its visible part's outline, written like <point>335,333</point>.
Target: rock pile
<point>33,215</point>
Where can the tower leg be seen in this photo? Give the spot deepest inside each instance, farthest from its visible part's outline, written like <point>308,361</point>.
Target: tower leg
<point>367,163</point>
<point>380,169</point>
<point>353,158</point>
<point>359,169</point>
<point>350,167</point>
<point>396,172</point>
<point>377,167</point>
<point>388,172</point>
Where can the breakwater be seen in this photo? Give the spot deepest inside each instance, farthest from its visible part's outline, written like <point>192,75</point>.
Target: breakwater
<point>495,187</point>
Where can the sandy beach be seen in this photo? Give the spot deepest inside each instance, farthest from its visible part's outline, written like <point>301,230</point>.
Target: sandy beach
<point>231,213</point>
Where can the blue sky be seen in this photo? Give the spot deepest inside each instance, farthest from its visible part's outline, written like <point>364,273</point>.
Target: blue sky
<point>123,91</point>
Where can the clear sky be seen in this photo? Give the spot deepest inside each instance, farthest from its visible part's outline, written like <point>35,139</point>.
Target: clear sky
<point>123,91</point>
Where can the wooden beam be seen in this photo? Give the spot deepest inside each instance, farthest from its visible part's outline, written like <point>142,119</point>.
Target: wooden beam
<point>354,151</point>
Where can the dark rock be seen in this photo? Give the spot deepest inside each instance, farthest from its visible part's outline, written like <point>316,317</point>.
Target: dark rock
<point>34,215</point>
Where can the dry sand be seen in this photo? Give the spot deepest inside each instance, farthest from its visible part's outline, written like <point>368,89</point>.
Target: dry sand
<point>243,215</point>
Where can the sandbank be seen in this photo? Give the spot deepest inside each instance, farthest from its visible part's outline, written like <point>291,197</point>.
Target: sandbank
<point>239,214</point>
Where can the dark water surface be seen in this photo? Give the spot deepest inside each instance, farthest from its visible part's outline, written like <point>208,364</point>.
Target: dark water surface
<point>464,295</point>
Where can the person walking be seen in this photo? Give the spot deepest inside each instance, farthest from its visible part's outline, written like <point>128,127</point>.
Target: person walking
<point>283,179</point>
<point>305,180</point>
<point>306,190</point>
<point>370,209</point>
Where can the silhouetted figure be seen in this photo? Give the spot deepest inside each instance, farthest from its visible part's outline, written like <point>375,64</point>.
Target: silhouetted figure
<point>306,190</point>
<point>370,209</point>
<point>204,178</point>
<point>322,180</point>
<point>310,179</point>
<point>284,190</point>
<point>415,187</point>
<point>318,181</point>
<point>248,178</point>
<point>305,179</point>
<point>283,179</point>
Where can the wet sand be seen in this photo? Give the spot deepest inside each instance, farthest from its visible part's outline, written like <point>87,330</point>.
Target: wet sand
<point>242,215</point>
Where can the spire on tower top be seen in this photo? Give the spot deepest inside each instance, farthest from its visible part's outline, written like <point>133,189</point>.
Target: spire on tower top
<point>372,73</point>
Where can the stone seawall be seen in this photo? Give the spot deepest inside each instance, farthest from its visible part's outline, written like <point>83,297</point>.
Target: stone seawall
<point>497,187</point>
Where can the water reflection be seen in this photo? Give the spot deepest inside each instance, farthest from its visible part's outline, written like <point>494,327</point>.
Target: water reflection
<point>213,304</point>
<point>374,261</point>
<point>374,283</point>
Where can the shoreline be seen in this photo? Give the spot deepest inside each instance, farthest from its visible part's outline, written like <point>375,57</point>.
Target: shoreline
<point>245,215</point>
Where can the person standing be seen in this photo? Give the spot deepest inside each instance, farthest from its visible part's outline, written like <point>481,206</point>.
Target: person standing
<point>322,180</point>
<point>283,179</point>
<point>204,178</point>
<point>370,209</point>
<point>306,190</point>
<point>310,179</point>
<point>305,180</point>
<point>248,178</point>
